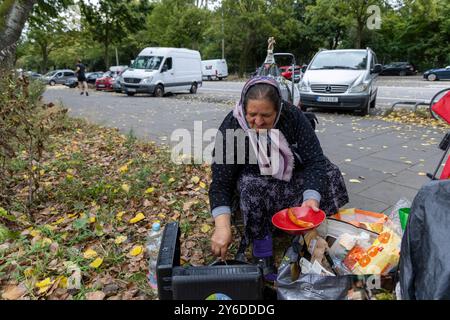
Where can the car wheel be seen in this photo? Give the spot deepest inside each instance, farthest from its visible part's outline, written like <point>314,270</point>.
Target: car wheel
<point>209,78</point>
<point>193,88</point>
<point>364,111</point>
<point>130,94</point>
<point>159,91</point>
<point>52,83</point>
<point>432,77</point>
<point>402,73</point>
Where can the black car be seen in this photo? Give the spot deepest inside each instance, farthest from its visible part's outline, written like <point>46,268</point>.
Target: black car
<point>72,82</point>
<point>398,69</point>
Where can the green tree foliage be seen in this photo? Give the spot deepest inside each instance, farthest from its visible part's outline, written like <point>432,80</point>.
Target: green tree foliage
<point>110,21</point>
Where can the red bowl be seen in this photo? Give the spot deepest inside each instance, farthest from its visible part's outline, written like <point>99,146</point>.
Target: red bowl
<point>281,220</point>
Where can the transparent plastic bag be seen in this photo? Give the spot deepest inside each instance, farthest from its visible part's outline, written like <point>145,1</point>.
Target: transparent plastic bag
<point>394,217</point>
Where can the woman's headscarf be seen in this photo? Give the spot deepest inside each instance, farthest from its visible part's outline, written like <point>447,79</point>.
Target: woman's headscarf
<point>278,143</point>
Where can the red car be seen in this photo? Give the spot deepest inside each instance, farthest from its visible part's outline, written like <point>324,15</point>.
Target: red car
<point>286,71</point>
<point>106,82</point>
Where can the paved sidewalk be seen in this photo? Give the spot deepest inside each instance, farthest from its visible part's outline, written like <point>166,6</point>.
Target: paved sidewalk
<point>388,159</point>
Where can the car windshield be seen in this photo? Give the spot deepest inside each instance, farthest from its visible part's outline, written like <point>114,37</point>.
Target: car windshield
<point>51,73</point>
<point>147,62</point>
<point>340,60</point>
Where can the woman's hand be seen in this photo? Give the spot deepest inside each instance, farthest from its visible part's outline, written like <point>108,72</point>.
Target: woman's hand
<point>221,237</point>
<point>313,204</point>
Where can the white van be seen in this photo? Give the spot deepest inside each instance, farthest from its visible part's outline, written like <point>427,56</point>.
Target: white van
<point>161,70</point>
<point>214,69</point>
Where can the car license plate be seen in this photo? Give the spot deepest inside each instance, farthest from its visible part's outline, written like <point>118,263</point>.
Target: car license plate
<point>327,99</point>
<point>101,85</point>
<point>131,90</point>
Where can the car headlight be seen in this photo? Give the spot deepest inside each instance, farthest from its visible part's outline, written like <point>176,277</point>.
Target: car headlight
<point>147,80</point>
<point>360,88</point>
<point>304,87</point>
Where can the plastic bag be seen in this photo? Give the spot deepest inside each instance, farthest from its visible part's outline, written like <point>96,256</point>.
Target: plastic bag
<point>394,215</point>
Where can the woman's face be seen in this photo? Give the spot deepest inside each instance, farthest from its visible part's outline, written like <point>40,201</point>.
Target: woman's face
<point>261,114</point>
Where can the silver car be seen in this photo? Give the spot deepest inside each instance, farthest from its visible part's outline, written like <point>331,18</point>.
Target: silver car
<point>57,76</point>
<point>341,79</point>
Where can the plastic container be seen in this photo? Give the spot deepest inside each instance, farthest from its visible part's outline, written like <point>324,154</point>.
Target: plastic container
<point>403,214</point>
<point>153,245</point>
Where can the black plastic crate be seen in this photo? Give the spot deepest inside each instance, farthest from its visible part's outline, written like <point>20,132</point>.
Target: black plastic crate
<point>168,258</point>
<point>237,282</point>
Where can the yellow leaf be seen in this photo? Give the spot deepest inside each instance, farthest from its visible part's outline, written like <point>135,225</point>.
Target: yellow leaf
<point>46,241</point>
<point>70,171</point>
<point>120,239</point>
<point>89,253</point>
<point>35,233</point>
<point>123,169</point>
<point>354,181</point>
<point>195,180</point>
<point>61,220</point>
<point>91,219</point>
<point>44,283</point>
<point>62,282</point>
<point>202,185</point>
<point>72,215</point>
<point>69,177</point>
<point>140,216</point>
<point>28,272</point>
<point>137,250</point>
<point>126,187</point>
<point>33,168</point>
<point>171,180</point>
<point>149,190</point>
<point>205,228</point>
<point>119,215</point>
<point>42,172</point>
<point>96,263</point>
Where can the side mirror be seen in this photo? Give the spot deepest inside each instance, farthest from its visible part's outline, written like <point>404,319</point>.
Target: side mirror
<point>164,69</point>
<point>377,68</point>
<point>304,69</point>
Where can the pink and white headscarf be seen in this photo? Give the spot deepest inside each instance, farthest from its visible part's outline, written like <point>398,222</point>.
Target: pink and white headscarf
<point>280,164</point>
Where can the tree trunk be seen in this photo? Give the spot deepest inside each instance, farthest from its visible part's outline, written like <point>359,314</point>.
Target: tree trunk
<point>13,15</point>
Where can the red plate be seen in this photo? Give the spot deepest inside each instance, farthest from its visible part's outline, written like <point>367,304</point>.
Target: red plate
<point>281,220</point>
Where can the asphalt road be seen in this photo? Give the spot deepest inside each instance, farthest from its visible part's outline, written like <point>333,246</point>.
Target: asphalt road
<point>388,160</point>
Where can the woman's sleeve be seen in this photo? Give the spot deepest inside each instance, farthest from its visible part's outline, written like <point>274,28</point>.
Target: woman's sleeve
<point>224,173</point>
<point>312,157</point>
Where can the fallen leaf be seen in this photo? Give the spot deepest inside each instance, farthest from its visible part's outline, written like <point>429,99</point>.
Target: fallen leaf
<point>195,180</point>
<point>171,180</point>
<point>126,187</point>
<point>96,295</point>
<point>137,250</point>
<point>123,169</point>
<point>140,216</point>
<point>149,190</point>
<point>120,239</point>
<point>14,292</point>
<point>348,160</point>
<point>422,174</point>
<point>89,253</point>
<point>205,228</point>
<point>96,263</point>
<point>354,181</point>
<point>91,219</point>
<point>119,215</point>
<point>202,185</point>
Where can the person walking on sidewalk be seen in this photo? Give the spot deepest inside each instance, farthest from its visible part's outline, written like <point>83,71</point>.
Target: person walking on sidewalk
<point>81,75</point>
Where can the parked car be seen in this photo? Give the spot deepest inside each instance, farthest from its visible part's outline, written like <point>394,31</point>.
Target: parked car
<point>161,70</point>
<point>286,71</point>
<point>398,69</point>
<point>57,76</point>
<point>33,75</point>
<point>341,79</point>
<point>105,82</point>
<point>437,74</point>
<point>216,69</point>
<point>71,82</point>
<point>92,76</point>
<point>117,83</point>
